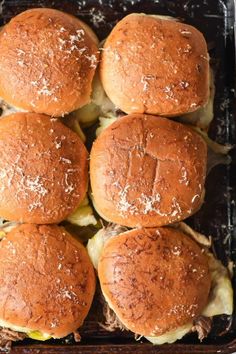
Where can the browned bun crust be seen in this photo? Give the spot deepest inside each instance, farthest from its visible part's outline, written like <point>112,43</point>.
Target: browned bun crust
<point>47,280</point>
<point>147,171</point>
<point>47,63</point>
<point>43,169</point>
<point>155,66</point>
<point>154,279</point>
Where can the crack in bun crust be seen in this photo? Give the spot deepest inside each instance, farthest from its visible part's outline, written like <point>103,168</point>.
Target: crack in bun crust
<point>155,280</point>
<point>147,171</point>
<point>47,280</point>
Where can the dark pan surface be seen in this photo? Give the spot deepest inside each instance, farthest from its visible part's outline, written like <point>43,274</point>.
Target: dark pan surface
<point>215,18</point>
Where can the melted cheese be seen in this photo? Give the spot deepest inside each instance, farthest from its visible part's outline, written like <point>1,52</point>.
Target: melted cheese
<point>88,114</point>
<point>171,336</point>
<point>99,105</point>
<point>221,293</point>
<point>2,234</point>
<point>7,227</point>
<point>83,215</point>
<point>98,93</point>
<point>203,116</point>
<point>161,17</point>
<point>75,126</point>
<point>95,246</point>
<point>38,335</point>
<point>104,122</point>
<point>199,238</point>
<point>213,145</point>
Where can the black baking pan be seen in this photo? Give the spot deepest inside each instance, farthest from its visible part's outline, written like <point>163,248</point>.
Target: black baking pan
<point>217,217</point>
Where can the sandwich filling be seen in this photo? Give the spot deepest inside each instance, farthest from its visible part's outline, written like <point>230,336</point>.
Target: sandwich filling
<point>7,336</point>
<point>220,300</point>
<point>203,116</point>
<point>83,215</point>
<point>23,331</point>
<point>10,333</point>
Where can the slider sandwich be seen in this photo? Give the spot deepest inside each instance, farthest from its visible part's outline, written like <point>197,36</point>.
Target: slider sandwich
<point>154,64</point>
<point>147,171</point>
<point>43,169</point>
<point>47,284</point>
<point>48,62</point>
<point>159,283</point>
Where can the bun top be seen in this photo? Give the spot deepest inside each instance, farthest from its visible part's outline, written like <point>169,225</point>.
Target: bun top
<point>43,169</point>
<point>147,171</point>
<point>47,280</point>
<point>47,63</point>
<point>155,280</point>
<point>156,66</point>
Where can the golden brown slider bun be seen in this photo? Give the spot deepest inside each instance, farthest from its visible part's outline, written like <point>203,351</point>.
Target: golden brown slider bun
<point>155,280</point>
<point>156,66</point>
<point>147,171</point>
<point>47,280</point>
<point>43,169</point>
<point>47,63</point>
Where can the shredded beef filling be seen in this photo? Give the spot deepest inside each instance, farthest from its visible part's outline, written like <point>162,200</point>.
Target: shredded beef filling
<point>7,336</point>
<point>112,230</point>
<point>202,325</point>
<point>77,336</point>
<point>112,322</point>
